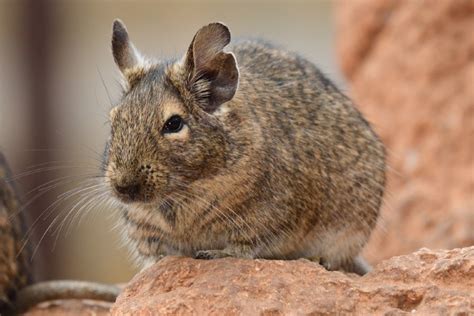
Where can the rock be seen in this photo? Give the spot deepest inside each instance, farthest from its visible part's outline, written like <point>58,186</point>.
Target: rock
<point>70,307</point>
<point>428,282</point>
<point>411,70</point>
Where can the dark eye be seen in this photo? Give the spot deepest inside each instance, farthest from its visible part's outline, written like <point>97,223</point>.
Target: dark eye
<point>173,125</point>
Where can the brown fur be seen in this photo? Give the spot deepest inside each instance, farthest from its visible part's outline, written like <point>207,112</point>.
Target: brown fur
<point>14,268</point>
<point>278,165</point>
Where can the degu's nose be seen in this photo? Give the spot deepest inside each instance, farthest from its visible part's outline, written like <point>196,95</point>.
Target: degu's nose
<point>128,189</point>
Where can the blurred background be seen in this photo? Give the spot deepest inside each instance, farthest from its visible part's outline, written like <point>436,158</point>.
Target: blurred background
<point>57,74</point>
<point>409,69</point>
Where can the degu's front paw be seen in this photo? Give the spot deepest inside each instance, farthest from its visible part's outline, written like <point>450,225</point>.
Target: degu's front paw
<point>321,261</point>
<point>211,254</point>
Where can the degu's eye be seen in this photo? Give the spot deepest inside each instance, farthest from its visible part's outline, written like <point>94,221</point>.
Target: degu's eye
<point>173,125</point>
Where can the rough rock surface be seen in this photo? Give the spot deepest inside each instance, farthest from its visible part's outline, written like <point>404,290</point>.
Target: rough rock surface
<point>427,282</point>
<point>410,66</point>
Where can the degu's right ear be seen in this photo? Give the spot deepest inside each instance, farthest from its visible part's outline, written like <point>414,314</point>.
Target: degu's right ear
<point>125,54</point>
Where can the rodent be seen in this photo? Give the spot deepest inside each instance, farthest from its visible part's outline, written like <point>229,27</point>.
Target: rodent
<point>18,291</point>
<point>242,150</point>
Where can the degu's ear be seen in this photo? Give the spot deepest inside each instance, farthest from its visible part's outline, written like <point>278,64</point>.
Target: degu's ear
<point>126,56</point>
<point>213,73</point>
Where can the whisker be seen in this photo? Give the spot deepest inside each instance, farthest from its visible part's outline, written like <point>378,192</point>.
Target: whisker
<point>100,202</point>
<point>44,170</point>
<point>83,197</point>
<point>92,201</point>
<point>49,210</point>
<point>105,86</point>
<point>38,195</point>
<point>51,225</point>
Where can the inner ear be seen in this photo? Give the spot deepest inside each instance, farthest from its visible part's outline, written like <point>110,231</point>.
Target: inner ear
<point>213,73</point>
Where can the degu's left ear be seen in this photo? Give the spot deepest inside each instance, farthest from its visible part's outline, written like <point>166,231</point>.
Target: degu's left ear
<point>126,56</point>
<point>213,73</point>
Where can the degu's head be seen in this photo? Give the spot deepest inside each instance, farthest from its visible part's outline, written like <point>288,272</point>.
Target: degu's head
<point>165,132</point>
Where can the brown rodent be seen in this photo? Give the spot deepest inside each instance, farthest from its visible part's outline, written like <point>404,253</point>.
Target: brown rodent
<point>18,292</point>
<point>249,153</point>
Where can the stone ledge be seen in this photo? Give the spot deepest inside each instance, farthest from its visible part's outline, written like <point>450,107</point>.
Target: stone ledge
<point>426,282</point>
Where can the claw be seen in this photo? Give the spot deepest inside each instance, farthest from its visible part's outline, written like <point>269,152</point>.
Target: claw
<point>210,254</point>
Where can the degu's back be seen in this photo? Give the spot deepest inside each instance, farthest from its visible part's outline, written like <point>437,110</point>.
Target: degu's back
<point>323,166</point>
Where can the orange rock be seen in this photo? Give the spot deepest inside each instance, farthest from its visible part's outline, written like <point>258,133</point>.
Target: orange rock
<point>411,71</point>
<point>429,282</point>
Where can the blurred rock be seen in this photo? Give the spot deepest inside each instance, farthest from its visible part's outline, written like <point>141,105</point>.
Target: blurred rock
<point>411,70</point>
<point>70,307</point>
<point>429,282</point>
